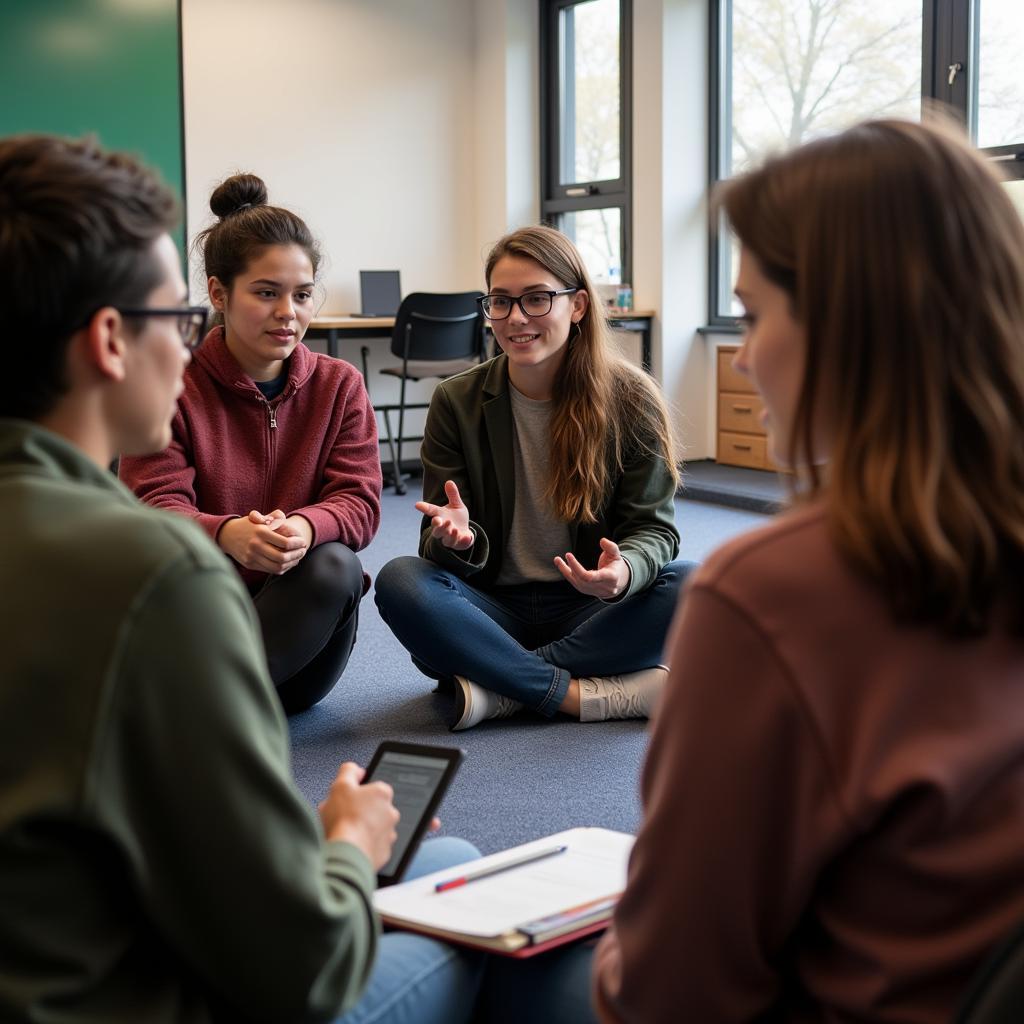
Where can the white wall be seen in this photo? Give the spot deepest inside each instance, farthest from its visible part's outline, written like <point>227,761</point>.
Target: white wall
<point>670,99</point>
<point>507,152</point>
<point>357,113</point>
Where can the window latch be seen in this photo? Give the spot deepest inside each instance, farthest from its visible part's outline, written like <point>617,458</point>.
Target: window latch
<point>582,190</point>
<point>953,69</point>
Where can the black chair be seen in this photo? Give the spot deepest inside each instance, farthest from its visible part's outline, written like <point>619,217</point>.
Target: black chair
<point>435,335</point>
<point>996,995</point>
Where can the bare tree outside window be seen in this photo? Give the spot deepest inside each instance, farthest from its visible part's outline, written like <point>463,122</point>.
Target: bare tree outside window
<point>596,234</point>
<point>806,68</point>
<point>590,128</point>
<point>792,70</point>
<point>802,68</point>
<point>594,28</point>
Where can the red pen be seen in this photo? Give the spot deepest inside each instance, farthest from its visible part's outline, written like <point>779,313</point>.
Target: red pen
<point>472,876</point>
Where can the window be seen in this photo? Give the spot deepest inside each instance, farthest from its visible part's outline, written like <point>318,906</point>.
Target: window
<point>585,128</point>
<point>785,71</point>
<point>997,88</point>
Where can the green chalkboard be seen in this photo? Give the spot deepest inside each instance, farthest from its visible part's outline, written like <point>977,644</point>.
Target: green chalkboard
<point>107,67</point>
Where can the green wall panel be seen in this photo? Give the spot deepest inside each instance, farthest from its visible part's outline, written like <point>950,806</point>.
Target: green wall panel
<point>109,67</point>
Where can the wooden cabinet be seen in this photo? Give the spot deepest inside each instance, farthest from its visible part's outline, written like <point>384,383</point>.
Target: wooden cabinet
<point>742,440</point>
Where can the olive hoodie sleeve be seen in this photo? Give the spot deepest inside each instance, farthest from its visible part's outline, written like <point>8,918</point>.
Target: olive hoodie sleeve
<point>190,773</point>
<point>642,518</point>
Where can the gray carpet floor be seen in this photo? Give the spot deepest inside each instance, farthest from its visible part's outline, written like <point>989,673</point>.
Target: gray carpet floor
<point>523,777</point>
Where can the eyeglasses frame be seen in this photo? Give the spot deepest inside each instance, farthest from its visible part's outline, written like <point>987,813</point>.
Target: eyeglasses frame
<point>517,300</point>
<point>180,311</point>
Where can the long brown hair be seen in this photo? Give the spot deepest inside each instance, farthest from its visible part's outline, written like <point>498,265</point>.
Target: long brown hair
<point>904,260</point>
<point>605,410</point>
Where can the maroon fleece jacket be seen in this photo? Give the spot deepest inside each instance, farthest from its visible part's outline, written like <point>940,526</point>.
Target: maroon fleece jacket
<point>311,451</point>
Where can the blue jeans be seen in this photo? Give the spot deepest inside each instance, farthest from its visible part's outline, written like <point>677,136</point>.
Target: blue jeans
<point>550,988</point>
<point>416,980</point>
<point>525,641</point>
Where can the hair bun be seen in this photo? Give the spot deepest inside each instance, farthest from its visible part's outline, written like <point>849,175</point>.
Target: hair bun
<point>238,192</point>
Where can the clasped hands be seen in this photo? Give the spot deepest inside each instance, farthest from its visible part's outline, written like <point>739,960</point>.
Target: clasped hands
<point>450,525</point>
<point>272,543</point>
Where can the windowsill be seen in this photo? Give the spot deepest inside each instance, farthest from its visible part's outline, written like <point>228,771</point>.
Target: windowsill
<point>720,329</point>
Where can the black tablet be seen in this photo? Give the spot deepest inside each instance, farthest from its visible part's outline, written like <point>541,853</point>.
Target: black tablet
<point>419,775</point>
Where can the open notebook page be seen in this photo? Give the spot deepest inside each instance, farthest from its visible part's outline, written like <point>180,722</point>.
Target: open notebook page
<point>593,866</point>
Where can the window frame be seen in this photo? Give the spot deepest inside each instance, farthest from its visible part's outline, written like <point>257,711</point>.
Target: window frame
<point>949,35</point>
<point>579,196</point>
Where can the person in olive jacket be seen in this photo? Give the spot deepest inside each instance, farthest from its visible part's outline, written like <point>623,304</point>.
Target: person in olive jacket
<point>157,862</point>
<point>546,576</point>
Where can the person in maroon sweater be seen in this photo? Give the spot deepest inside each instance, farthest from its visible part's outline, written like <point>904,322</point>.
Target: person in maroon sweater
<point>834,790</point>
<point>274,450</point>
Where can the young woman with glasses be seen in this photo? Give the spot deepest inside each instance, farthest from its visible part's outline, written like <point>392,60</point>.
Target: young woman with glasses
<point>849,845</point>
<point>275,447</point>
<point>546,577</point>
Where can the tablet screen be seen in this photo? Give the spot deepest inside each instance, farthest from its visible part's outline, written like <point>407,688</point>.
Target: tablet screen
<point>415,779</point>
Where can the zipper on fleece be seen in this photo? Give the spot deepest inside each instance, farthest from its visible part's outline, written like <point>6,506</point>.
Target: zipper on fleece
<point>272,451</point>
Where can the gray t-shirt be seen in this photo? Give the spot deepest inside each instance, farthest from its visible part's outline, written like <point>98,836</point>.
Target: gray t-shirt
<point>537,535</point>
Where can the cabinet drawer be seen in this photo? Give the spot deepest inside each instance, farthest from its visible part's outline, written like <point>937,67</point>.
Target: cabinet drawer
<point>728,378</point>
<point>742,450</point>
<point>741,413</point>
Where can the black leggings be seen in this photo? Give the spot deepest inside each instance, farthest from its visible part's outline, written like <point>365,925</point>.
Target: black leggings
<point>309,618</point>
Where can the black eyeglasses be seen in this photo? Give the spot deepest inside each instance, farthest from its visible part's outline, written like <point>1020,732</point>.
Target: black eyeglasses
<point>191,322</point>
<point>499,307</point>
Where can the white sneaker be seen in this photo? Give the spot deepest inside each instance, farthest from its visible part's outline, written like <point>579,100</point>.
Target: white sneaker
<point>633,695</point>
<point>473,704</point>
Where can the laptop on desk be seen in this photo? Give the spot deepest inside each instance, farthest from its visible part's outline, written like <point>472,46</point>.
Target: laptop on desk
<point>380,292</point>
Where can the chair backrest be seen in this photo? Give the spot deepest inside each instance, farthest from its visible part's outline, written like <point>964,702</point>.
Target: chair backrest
<point>433,326</point>
<point>996,995</point>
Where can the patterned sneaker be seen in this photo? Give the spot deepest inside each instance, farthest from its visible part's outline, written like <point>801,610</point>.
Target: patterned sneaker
<point>633,695</point>
<point>473,704</point>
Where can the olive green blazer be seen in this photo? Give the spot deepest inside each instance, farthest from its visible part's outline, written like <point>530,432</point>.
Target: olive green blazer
<point>468,439</point>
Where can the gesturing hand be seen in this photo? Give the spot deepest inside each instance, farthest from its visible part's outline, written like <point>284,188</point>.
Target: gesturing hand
<point>362,815</point>
<point>266,543</point>
<point>449,523</point>
<point>608,580</point>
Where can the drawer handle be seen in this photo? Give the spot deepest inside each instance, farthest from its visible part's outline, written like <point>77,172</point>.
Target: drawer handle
<point>741,447</point>
<point>742,408</point>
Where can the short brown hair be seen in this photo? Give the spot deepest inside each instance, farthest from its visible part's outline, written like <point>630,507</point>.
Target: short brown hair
<point>904,261</point>
<point>77,227</point>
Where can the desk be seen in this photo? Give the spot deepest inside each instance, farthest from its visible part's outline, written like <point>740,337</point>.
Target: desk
<point>334,326</point>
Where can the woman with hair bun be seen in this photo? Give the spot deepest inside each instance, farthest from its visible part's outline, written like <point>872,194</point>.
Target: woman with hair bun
<point>546,577</point>
<point>834,789</point>
<point>274,450</point>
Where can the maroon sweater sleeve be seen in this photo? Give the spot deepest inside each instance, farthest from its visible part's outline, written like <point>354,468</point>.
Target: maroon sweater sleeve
<point>167,479</point>
<point>738,801</point>
<point>348,506</point>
